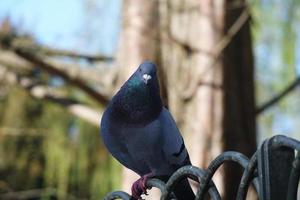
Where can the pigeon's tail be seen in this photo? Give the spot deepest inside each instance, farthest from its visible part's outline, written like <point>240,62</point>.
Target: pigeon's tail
<point>182,189</point>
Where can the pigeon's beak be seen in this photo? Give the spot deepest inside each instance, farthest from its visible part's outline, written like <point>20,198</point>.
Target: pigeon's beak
<point>146,78</point>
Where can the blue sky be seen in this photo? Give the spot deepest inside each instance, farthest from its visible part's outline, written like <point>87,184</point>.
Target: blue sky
<point>83,25</point>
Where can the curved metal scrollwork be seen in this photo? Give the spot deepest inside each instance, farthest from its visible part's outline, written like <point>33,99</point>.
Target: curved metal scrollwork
<point>257,171</point>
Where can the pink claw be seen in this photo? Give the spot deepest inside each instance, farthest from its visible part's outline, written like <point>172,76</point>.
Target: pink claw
<point>139,186</point>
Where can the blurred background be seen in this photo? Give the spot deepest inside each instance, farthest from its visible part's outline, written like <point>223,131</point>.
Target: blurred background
<point>229,73</point>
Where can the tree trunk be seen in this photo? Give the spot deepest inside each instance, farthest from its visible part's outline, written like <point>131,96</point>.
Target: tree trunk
<point>209,88</point>
<point>195,95</point>
<point>239,129</point>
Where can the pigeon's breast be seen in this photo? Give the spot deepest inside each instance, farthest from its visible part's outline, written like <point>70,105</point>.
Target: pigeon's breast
<point>144,144</point>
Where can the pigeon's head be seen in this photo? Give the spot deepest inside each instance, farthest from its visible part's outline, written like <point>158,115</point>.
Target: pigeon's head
<point>147,72</point>
<point>139,100</point>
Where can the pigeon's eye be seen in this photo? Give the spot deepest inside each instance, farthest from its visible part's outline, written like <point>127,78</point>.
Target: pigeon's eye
<point>140,69</point>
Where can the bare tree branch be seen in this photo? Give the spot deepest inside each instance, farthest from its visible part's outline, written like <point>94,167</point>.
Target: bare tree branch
<point>76,108</point>
<point>28,43</point>
<point>232,31</point>
<point>278,97</point>
<point>47,93</point>
<point>90,74</point>
<point>36,56</point>
<point>55,71</point>
<point>11,60</point>
<point>58,52</point>
<point>187,93</point>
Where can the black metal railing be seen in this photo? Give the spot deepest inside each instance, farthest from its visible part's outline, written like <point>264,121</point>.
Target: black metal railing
<point>273,170</point>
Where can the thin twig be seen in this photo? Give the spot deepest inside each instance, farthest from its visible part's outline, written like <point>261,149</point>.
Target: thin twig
<point>278,97</point>
<point>219,48</point>
<point>233,30</point>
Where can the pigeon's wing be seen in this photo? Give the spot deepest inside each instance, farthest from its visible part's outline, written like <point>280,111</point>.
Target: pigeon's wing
<point>116,144</point>
<point>173,145</point>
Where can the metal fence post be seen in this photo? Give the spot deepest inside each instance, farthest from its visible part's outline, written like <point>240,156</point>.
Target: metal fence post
<point>274,168</point>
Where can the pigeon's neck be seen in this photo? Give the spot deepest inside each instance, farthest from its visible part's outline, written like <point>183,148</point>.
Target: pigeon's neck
<point>136,102</point>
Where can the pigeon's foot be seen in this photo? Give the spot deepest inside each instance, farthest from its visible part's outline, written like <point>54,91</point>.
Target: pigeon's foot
<point>139,186</point>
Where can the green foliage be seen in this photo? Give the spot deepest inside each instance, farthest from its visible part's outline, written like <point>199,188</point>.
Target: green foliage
<point>42,146</point>
<point>275,37</point>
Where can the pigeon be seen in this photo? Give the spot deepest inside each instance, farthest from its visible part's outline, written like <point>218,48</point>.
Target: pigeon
<point>142,135</point>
